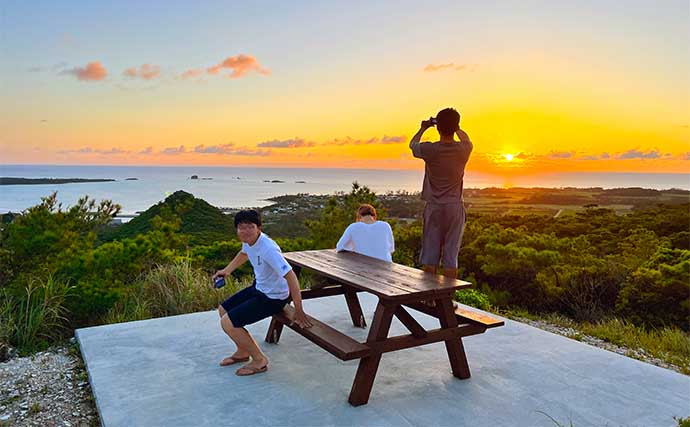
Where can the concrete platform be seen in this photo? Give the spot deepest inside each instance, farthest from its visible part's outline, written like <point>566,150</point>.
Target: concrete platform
<point>164,372</point>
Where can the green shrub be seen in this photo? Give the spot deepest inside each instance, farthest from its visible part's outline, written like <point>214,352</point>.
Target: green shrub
<point>658,292</point>
<point>474,298</point>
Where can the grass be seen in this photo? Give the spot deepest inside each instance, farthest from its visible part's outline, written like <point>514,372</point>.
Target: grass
<point>169,290</point>
<point>671,345</point>
<point>33,316</point>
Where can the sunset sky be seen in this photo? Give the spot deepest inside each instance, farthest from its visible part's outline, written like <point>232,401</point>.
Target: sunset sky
<point>542,86</point>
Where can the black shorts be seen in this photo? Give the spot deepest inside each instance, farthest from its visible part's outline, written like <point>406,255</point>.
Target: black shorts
<point>251,305</point>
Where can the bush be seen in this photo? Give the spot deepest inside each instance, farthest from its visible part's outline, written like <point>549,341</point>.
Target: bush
<point>340,212</point>
<point>658,292</point>
<point>46,236</point>
<point>474,298</point>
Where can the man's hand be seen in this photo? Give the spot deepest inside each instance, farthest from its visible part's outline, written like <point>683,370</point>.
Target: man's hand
<point>220,273</point>
<point>426,124</point>
<point>301,319</point>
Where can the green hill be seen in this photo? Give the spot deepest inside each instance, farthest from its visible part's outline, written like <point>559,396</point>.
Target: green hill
<point>202,222</point>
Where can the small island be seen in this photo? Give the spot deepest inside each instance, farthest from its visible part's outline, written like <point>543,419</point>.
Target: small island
<point>41,181</point>
<point>131,179</point>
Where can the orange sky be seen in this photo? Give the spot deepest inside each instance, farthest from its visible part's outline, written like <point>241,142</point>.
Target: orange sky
<point>534,87</point>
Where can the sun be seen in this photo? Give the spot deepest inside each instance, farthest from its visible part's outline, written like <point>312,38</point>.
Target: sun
<point>508,157</point>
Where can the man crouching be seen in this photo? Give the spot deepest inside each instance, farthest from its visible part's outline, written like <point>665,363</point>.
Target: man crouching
<point>274,284</point>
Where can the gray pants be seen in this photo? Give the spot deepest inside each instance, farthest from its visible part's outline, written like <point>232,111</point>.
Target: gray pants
<point>442,234</point>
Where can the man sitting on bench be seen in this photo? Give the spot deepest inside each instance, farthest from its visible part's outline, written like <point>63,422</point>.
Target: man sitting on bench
<point>275,283</point>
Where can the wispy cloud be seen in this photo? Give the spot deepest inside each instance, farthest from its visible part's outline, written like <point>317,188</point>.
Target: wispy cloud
<point>174,151</point>
<point>561,154</point>
<point>287,143</point>
<point>230,149</point>
<point>430,68</point>
<point>190,74</point>
<point>240,66</point>
<point>146,151</point>
<point>393,139</point>
<point>686,156</point>
<point>93,71</point>
<point>89,150</point>
<point>573,155</point>
<point>145,72</point>
<point>373,140</point>
<point>637,154</point>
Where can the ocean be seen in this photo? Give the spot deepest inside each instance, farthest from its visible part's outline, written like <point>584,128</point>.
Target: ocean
<point>235,187</point>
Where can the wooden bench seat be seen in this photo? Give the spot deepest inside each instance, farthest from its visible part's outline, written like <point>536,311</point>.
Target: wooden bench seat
<point>331,340</point>
<point>465,315</point>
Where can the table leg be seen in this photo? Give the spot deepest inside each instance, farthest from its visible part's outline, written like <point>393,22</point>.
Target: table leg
<point>354,307</point>
<point>368,366</point>
<point>274,330</point>
<point>454,347</point>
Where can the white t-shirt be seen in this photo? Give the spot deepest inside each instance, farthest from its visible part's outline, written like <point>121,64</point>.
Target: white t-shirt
<point>269,266</point>
<point>374,240</point>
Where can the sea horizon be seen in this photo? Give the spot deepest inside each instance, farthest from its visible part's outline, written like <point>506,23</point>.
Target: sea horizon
<point>242,186</point>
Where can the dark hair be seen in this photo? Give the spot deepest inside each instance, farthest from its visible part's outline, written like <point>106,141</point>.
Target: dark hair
<point>366,209</point>
<point>447,121</point>
<point>248,217</point>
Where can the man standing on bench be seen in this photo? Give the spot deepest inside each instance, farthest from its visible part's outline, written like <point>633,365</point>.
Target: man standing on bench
<point>444,213</point>
<point>275,283</point>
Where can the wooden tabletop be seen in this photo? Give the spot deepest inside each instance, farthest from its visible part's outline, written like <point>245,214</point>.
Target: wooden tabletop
<point>386,279</point>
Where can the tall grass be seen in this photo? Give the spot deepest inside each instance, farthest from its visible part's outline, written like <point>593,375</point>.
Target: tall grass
<point>34,316</point>
<point>171,289</point>
<point>669,344</point>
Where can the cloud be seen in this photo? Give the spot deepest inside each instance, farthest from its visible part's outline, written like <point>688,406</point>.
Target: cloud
<point>39,69</point>
<point>146,72</point>
<point>190,74</point>
<point>430,68</point>
<point>637,154</point>
<point>287,143</point>
<point>93,71</point>
<point>89,150</point>
<point>174,151</point>
<point>393,139</point>
<point>146,151</point>
<point>686,156</point>
<point>230,149</point>
<point>561,154</point>
<point>373,140</point>
<point>240,65</point>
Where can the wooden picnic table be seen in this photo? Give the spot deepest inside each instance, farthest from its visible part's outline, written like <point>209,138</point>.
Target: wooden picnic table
<point>398,288</point>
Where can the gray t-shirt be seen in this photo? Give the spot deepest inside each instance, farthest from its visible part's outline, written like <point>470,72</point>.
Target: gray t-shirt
<point>444,169</point>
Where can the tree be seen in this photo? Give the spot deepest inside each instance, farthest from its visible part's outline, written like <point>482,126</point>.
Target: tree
<point>47,236</point>
<point>340,212</point>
